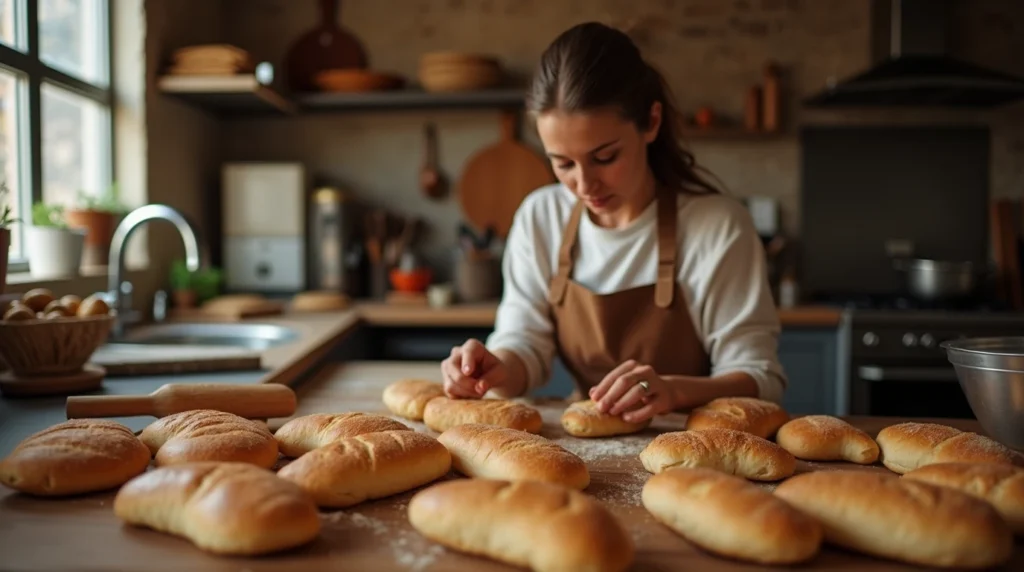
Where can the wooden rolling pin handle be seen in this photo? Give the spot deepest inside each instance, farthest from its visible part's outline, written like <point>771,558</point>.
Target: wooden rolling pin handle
<point>80,406</point>
<point>253,401</point>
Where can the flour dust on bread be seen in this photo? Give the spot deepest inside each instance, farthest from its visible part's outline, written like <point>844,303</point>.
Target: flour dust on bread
<point>727,450</point>
<point>352,470</point>
<point>883,515</point>
<point>305,433</point>
<point>408,397</point>
<point>907,446</point>
<point>486,451</point>
<point>443,413</point>
<point>542,527</point>
<point>75,457</point>
<point>757,416</point>
<point>208,435</point>
<point>731,517</point>
<point>827,438</point>
<point>235,509</point>
<point>1001,485</point>
<point>583,419</point>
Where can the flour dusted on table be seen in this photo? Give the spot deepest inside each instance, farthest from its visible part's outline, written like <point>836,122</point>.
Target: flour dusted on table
<point>408,548</point>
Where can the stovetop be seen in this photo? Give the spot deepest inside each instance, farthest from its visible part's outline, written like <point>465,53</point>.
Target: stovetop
<point>900,302</point>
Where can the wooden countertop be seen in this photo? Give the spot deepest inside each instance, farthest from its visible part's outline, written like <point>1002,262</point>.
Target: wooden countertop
<point>376,535</point>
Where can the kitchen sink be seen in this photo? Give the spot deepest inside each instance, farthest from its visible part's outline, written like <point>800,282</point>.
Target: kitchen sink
<point>251,336</point>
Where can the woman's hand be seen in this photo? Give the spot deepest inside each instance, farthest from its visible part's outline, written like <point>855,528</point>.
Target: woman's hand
<point>471,370</point>
<point>635,391</point>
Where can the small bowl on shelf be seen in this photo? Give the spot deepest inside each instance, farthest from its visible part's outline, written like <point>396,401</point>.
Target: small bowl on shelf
<point>353,80</point>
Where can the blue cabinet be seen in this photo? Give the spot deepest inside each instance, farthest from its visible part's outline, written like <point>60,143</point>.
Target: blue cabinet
<point>811,360</point>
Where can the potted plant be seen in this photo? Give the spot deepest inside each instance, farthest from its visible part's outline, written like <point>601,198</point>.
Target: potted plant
<point>190,289</point>
<point>6,220</point>
<point>98,215</point>
<point>53,249</point>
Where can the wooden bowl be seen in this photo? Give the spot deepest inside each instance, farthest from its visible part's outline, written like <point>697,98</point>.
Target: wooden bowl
<point>458,80</point>
<point>351,80</point>
<point>55,346</point>
<point>453,57</point>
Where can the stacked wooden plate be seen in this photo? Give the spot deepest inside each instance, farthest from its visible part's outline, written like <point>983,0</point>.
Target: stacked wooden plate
<point>448,71</point>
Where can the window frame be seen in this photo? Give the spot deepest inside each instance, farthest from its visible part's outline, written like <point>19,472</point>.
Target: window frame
<point>30,66</point>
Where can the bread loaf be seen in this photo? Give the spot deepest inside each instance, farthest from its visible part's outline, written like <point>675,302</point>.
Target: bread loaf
<point>731,517</point>
<point>349,471</point>
<point>583,419</point>
<point>1002,486</point>
<point>907,446</point>
<point>827,438</point>
<point>208,435</point>
<point>727,450</point>
<point>74,457</point>
<point>489,452</point>
<point>535,525</point>
<point>901,519</point>
<point>757,416</point>
<point>442,413</point>
<point>308,432</point>
<point>223,508</point>
<point>408,397</point>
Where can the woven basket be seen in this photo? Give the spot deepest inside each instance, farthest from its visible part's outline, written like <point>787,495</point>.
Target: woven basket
<point>52,347</point>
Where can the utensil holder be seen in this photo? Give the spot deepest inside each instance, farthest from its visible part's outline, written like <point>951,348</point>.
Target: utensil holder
<point>478,278</point>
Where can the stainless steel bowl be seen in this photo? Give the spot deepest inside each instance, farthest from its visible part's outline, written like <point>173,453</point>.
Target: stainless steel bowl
<point>991,374</point>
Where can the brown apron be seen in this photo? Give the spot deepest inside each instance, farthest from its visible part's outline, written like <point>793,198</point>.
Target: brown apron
<point>651,324</point>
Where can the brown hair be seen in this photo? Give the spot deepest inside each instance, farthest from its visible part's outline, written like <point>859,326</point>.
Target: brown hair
<point>591,66</point>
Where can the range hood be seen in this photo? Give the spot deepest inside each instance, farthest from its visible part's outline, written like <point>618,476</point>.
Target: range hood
<point>918,70</point>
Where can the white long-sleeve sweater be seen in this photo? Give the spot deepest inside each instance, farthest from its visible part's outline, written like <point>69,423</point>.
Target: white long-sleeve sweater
<point>722,274</point>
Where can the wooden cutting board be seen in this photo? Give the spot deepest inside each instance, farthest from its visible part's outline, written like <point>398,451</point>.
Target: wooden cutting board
<point>497,179</point>
<point>145,359</point>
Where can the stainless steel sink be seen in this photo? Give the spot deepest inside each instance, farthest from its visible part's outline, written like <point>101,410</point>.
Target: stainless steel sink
<point>252,336</point>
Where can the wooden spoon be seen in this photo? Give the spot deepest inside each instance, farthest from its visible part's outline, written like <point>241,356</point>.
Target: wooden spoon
<point>432,182</point>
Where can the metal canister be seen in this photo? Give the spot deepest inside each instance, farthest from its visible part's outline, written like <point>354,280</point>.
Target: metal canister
<point>334,245</point>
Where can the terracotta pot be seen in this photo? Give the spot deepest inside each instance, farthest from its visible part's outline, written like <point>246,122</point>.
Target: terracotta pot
<point>5,246</point>
<point>185,299</point>
<point>99,226</point>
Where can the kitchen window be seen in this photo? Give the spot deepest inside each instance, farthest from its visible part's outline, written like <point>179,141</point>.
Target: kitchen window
<point>55,105</point>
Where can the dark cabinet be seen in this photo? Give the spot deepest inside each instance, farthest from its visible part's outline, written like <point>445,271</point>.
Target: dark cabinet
<point>810,358</point>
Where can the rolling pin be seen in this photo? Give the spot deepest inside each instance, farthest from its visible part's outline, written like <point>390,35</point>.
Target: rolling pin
<point>259,401</point>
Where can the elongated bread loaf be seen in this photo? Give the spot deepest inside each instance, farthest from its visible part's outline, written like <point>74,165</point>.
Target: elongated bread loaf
<point>489,452</point>
<point>727,450</point>
<point>370,466</point>
<point>540,526</point>
<point>303,434</point>
<point>75,457</point>
<point>907,446</point>
<point>1000,485</point>
<point>208,435</point>
<point>223,508</point>
<point>729,516</point>
<point>757,416</point>
<point>442,413</point>
<point>408,397</point>
<point>901,519</point>
<point>582,419</point>
<point>827,438</point>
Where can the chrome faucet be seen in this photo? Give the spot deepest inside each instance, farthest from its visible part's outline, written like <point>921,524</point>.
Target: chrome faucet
<point>118,287</point>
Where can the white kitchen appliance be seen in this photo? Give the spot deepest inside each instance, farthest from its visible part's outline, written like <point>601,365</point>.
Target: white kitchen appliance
<point>264,226</point>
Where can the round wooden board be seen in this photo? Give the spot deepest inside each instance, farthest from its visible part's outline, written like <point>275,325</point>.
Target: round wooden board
<point>89,379</point>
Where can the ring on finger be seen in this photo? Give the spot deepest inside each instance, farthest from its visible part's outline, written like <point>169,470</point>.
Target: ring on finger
<point>645,385</point>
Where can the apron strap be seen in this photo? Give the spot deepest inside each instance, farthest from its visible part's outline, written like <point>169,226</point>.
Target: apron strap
<point>561,281</point>
<point>668,216</point>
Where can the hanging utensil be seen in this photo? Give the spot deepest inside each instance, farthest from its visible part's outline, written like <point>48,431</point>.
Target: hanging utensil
<point>432,182</point>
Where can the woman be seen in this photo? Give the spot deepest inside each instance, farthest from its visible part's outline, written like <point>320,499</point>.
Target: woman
<point>649,284</point>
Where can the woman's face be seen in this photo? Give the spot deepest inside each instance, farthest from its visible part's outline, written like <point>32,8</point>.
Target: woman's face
<point>600,157</point>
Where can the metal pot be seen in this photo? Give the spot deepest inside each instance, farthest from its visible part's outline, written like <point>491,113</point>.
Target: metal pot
<point>933,280</point>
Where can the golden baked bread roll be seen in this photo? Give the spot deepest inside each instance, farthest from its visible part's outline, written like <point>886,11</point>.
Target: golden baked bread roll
<point>535,525</point>
<point>75,457</point>
<point>727,450</point>
<point>827,438</point>
<point>305,433</point>
<point>208,435</point>
<point>757,416</point>
<point>408,397</point>
<point>1002,486</point>
<point>370,466</point>
<point>489,452</point>
<point>886,516</point>
<point>223,508</point>
<point>582,419</point>
<point>731,517</point>
<point>442,413</point>
<point>907,446</point>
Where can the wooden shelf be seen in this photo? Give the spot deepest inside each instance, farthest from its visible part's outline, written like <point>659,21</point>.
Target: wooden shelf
<point>727,133</point>
<point>412,99</point>
<point>234,94</point>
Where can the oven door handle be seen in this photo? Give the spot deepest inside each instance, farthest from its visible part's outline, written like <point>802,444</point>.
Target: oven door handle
<point>878,373</point>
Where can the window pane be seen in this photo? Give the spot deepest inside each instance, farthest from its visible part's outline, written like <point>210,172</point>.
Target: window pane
<point>12,14</point>
<point>76,146</point>
<point>73,37</point>
<point>12,161</point>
